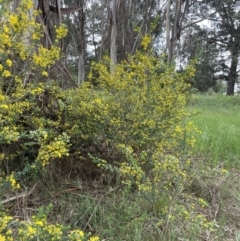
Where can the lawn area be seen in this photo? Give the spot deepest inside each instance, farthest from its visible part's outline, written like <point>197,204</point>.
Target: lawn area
<point>218,118</point>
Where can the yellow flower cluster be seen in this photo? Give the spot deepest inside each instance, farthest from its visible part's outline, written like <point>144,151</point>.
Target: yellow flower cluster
<point>146,40</point>
<point>9,134</point>
<point>38,228</point>
<point>12,181</point>
<point>5,233</point>
<point>61,31</point>
<point>5,40</point>
<point>20,35</point>
<point>46,57</point>
<point>94,238</point>
<point>56,149</point>
<point>13,20</point>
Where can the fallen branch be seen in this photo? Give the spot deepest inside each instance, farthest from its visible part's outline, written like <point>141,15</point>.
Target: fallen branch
<point>17,196</point>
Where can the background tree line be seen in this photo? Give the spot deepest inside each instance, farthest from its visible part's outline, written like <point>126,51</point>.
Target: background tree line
<point>207,31</point>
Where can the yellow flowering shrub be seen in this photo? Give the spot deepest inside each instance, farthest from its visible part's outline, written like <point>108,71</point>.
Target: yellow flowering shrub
<point>30,131</point>
<point>29,106</point>
<point>134,120</point>
<point>140,106</point>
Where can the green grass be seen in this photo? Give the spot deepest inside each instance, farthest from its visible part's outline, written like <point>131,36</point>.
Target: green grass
<point>218,118</point>
<point>218,148</point>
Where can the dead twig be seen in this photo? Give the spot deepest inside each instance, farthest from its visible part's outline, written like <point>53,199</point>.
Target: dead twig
<point>17,196</point>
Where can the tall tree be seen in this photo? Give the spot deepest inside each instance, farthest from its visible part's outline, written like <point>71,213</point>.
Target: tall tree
<point>182,18</point>
<point>226,34</point>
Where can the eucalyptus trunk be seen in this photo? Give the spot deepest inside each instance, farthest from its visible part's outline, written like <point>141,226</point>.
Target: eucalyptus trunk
<point>232,77</point>
<point>173,31</point>
<point>81,46</point>
<point>113,30</point>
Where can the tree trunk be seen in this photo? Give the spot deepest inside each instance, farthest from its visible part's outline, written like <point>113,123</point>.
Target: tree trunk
<point>113,28</point>
<point>172,40</point>
<point>15,4</point>
<point>81,47</point>
<point>233,73</point>
<point>176,29</point>
<point>173,33</point>
<point>81,68</point>
<point>168,29</point>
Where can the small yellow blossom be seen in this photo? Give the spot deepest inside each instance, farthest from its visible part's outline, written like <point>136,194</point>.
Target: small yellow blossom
<point>31,231</point>
<point>4,106</point>
<point>35,36</point>
<point>9,62</point>
<point>224,171</point>
<point>94,238</point>
<point>13,182</point>
<point>44,73</point>
<point>2,238</point>
<point>13,19</point>
<point>6,73</point>
<point>6,29</point>
<point>39,223</point>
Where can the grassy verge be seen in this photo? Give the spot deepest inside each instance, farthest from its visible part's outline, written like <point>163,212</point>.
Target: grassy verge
<point>217,150</point>
<point>218,118</point>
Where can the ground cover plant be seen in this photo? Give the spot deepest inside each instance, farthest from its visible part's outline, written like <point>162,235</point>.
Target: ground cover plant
<point>108,160</point>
